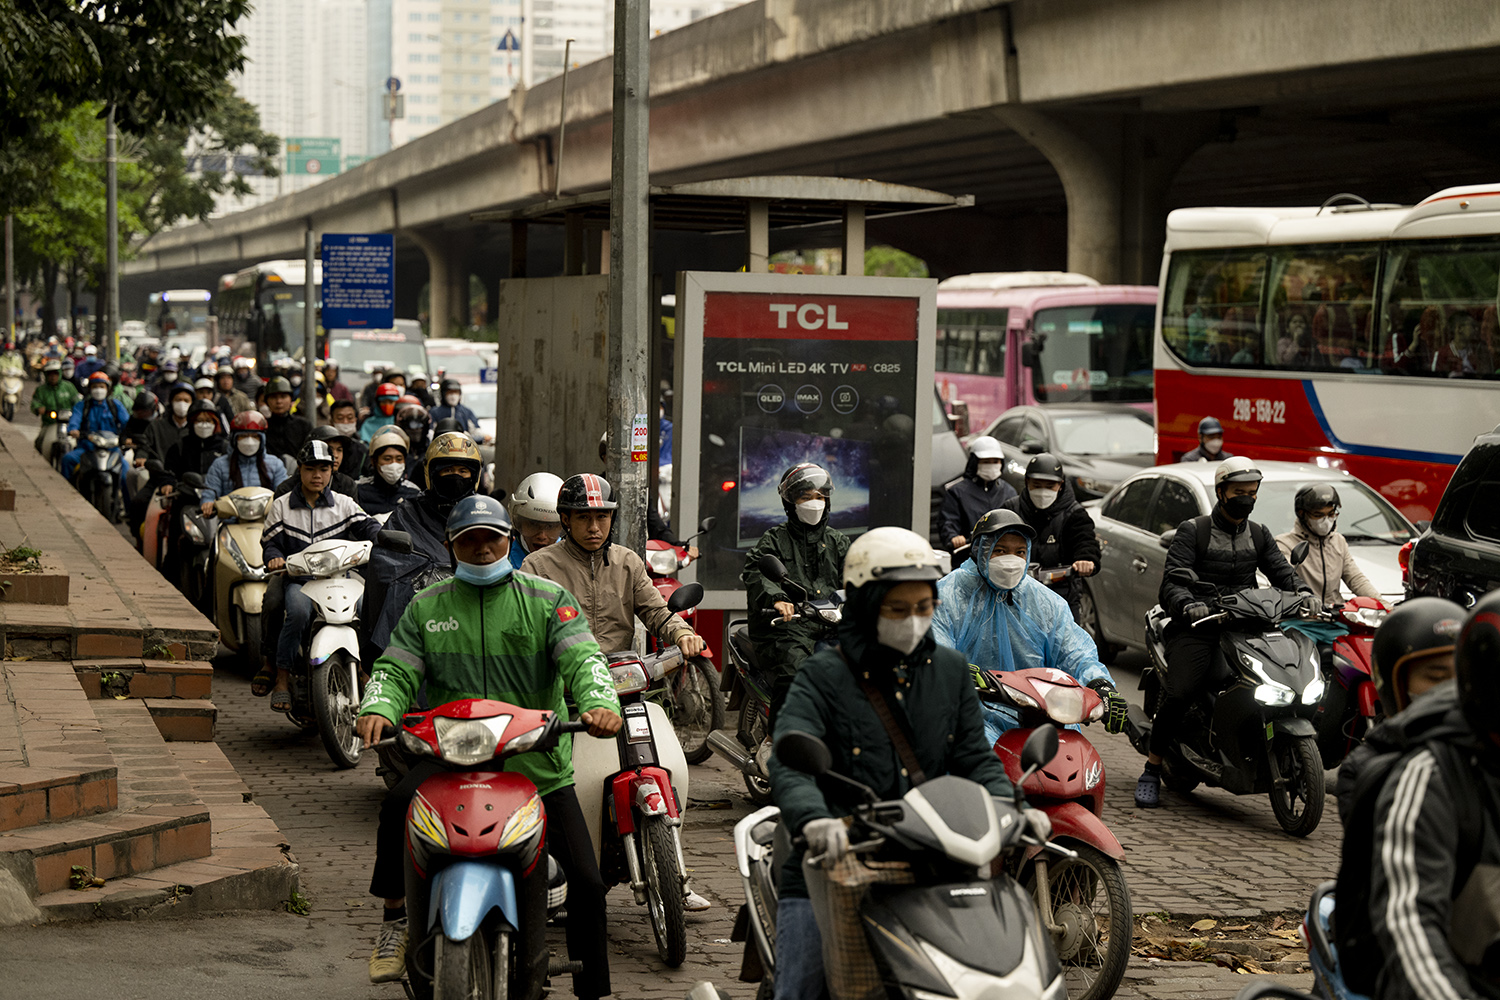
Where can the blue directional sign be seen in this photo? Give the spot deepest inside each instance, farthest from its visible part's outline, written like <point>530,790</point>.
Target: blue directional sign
<point>359,281</point>
<point>509,42</point>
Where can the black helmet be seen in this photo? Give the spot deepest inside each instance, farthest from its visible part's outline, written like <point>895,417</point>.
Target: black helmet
<point>1046,468</point>
<point>450,385</point>
<point>1476,663</point>
<point>448,425</point>
<point>181,387</point>
<point>803,477</point>
<point>113,371</point>
<point>143,401</point>
<point>278,385</point>
<point>327,432</point>
<point>203,406</point>
<point>586,492</point>
<point>1000,521</point>
<point>1315,496</point>
<point>1209,426</point>
<point>1420,626</point>
<point>315,452</point>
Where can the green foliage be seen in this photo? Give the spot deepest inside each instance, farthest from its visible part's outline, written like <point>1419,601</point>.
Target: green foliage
<point>20,554</point>
<point>888,262</point>
<point>298,904</point>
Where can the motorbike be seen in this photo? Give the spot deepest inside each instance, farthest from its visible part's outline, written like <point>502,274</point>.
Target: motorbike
<point>51,443</point>
<point>939,916</point>
<point>691,695</point>
<point>1350,705</point>
<point>193,539</point>
<point>1084,902</point>
<point>1250,728</point>
<point>749,686</point>
<point>239,571</point>
<point>633,789</point>
<point>98,474</point>
<point>10,393</point>
<point>476,892</point>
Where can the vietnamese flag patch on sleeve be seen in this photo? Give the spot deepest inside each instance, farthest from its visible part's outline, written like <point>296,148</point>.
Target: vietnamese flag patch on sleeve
<point>566,614</point>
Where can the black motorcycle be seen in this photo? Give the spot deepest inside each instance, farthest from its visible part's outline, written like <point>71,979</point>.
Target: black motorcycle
<point>98,474</point>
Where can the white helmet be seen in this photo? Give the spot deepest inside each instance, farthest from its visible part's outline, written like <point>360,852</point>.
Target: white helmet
<point>1236,470</point>
<point>985,446</point>
<point>91,350</point>
<point>536,498</point>
<point>891,555</point>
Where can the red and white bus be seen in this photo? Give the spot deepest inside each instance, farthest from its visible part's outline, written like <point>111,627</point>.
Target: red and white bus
<point>1019,337</point>
<point>1359,337</point>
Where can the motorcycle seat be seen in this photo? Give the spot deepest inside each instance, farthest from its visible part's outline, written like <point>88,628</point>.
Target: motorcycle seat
<point>740,639</point>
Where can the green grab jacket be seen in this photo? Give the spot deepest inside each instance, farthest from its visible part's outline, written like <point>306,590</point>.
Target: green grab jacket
<point>522,640</point>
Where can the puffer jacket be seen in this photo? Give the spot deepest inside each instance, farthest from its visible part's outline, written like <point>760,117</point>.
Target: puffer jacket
<point>612,587</point>
<point>967,499</point>
<point>1235,552</point>
<point>1328,561</point>
<point>814,558</point>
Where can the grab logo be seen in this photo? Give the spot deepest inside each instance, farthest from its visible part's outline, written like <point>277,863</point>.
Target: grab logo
<point>451,625</point>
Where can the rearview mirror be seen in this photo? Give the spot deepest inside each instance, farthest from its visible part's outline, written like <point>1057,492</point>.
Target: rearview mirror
<point>1182,574</point>
<point>194,480</point>
<point>395,541</point>
<point>808,754</point>
<point>1299,554</point>
<point>1031,446</point>
<point>1167,538</point>
<point>707,524</point>
<point>689,595</point>
<point>1040,747</point>
<point>772,567</point>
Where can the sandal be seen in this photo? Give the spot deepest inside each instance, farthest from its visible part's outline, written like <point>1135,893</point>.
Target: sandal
<point>281,701</point>
<point>264,679</point>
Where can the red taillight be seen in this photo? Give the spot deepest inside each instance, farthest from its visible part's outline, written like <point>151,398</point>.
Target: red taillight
<point>727,485</point>
<point>1403,559</point>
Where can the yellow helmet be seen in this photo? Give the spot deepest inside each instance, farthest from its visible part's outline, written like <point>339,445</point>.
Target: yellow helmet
<point>452,448</point>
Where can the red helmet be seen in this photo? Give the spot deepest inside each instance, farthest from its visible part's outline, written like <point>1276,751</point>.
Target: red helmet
<point>98,378</point>
<point>407,400</point>
<point>385,398</point>
<point>250,420</point>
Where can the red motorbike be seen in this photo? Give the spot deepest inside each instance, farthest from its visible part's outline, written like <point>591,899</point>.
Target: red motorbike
<point>1082,900</point>
<point>690,696</point>
<point>477,869</point>
<point>1350,705</point>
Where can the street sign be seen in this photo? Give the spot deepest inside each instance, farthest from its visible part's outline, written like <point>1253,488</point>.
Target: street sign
<point>510,43</point>
<point>359,281</point>
<point>312,155</point>
<point>489,375</point>
<point>353,160</point>
<point>392,84</point>
<point>394,106</point>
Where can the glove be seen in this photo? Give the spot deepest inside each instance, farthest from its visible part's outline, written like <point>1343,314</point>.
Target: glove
<point>828,838</point>
<point>1038,824</point>
<point>1116,708</point>
<point>1195,611</point>
<point>1311,606</point>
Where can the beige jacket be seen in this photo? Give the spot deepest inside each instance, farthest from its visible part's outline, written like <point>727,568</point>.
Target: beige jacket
<point>612,593</point>
<point>1328,561</point>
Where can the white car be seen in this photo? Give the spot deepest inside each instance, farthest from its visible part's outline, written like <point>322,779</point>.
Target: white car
<point>1137,520</point>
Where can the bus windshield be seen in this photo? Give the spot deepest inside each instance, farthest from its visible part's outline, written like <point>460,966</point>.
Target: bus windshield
<point>1092,353</point>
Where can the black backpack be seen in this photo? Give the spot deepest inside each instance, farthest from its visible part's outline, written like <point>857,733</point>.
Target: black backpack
<point>1436,724</point>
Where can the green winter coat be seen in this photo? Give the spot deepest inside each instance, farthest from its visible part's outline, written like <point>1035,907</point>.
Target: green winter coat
<point>825,701</point>
<point>814,557</point>
<point>522,640</point>
<point>60,397</point>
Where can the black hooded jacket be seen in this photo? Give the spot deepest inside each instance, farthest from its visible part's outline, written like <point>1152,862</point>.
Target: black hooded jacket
<point>1232,555</point>
<point>392,577</point>
<point>378,497</point>
<point>967,499</point>
<point>1064,531</point>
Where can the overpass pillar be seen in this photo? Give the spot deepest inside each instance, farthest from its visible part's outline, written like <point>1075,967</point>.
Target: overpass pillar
<point>1115,171</point>
<point>447,256</point>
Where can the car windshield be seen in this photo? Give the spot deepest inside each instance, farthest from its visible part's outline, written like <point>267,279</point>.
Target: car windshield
<point>455,363</point>
<point>364,355</point>
<point>481,399</point>
<point>1365,518</point>
<point>1104,434</point>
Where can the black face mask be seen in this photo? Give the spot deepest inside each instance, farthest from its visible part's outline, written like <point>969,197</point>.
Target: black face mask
<point>452,488</point>
<point>1239,507</point>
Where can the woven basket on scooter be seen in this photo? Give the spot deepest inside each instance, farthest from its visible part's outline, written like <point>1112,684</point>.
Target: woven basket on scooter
<point>847,963</point>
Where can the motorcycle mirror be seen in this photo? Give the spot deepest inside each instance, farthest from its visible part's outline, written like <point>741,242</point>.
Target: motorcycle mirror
<point>154,465</point>
<point>707,524</point>
<point>1040,747</point>
<point>689,595</point>
<point>772,567</point>
<point>1182,574</point>
<point>193,479</point>
<point>1299,554</point>
<point>804,752</point>
<point>1167,538</point>
<point>395,541</point>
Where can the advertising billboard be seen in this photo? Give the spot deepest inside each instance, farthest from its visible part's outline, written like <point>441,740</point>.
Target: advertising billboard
<point>781,369</point>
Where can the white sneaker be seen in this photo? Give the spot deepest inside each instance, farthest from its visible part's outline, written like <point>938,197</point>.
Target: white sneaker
<point>694,903</point>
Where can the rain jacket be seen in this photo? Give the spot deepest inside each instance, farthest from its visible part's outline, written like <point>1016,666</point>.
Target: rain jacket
<point>374,424</point>
<point>1328,561</point>
<point>98,415</point>
<point>521,640</point>
<point>391,579</point>
<point>60,397</point>
<point>814,557</point>
<point>1024,627</point>
<point>612,587</point>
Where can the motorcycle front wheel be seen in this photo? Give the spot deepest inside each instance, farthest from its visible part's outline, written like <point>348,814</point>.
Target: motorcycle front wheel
<point>753,722</point>
<point>696,707</point>
<point>1091,902</point>
<point>1297,799</point>
<point>335,703</point>
<point>8,411</point>
<point>465,970</point>
<point>664,892</point>
<point>251,638</point>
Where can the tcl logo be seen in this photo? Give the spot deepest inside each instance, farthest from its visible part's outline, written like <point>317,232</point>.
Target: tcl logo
<point>810,315</point>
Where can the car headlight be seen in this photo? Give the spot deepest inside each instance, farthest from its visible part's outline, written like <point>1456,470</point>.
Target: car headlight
<point>1274,695</point>
<point>524,822</point>
<point>1313,692</point>
<point>1090,485</point>
<point>662,561</point>
<point>469,741</point>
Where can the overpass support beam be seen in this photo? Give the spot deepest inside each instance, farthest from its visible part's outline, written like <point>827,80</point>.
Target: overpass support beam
<point>447,279</point>
<point>1115,171</point>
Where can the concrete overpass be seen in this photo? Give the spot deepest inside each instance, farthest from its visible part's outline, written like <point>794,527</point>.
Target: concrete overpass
<point>1076,124</point>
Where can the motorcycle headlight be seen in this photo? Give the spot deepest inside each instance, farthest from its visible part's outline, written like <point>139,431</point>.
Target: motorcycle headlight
<point>1020,697</point>
<point>241,563</point>
<point>662,561</point>
<point>1274,695</point>
<point>469,741</point>
<point>250,508</point>
<point>1065,705</point>
<point>191,530</point>
<point>414,744</point>
<point>628,677</point>
<point>523,823</point>
<point>525,741</point>
<point>317,563</point>
<point>1313,692</point>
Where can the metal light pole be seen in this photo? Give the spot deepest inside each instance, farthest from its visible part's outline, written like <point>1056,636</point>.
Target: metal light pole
<point>310,330</point>
<point>112,241</point>
<point>629,267</point>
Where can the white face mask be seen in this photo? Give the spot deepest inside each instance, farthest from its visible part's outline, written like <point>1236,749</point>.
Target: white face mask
<point>988,471</point>
<point>1212,445</point>
<point>347,429</point>
<point>1006,571</point>
<point>1321,525</point>
<point>811,511</point>
<point>392,472</point>
<point>180,407</point>
<point>1042,499</point>
<point>248,445</point>
<point>902,634</point>
<point>452,398</point>
<point>203,430</point>
<point>98,392</point>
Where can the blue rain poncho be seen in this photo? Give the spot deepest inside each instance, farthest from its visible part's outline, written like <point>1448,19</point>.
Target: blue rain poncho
<point>1026,626</point>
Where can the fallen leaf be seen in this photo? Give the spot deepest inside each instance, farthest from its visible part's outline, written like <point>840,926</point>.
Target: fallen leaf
<point>1278,922</point>
<point>1204,925</point>
<point>1290,935</point>
<point>1238,927</point>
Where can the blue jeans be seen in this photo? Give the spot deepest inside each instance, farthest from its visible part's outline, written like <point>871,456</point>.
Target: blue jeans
<point>799,952</point>
<point>298,612</point>
<point>70,462</point>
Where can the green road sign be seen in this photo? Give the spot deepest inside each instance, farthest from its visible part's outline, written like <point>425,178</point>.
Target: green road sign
<point>312,156</point>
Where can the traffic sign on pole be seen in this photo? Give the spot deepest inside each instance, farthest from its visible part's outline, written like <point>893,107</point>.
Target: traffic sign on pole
<point>359,281</point>
<point>313,155</point>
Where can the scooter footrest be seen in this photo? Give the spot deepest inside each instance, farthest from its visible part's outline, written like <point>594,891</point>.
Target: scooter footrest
<point>562,967</point>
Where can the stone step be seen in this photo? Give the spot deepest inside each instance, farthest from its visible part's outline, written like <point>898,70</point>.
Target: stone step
<point>32,796</point>
<point>110,846</point>
<point>142,678</point>
<point>186,720</point>
<point>229,880</point>
<point>55,765</point>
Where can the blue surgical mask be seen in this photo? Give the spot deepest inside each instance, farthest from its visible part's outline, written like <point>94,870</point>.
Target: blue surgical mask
<point>485,575</point>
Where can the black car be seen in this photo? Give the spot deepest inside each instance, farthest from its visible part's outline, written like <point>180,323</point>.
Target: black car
<point>1099,444</point>
<point>1458,556</point>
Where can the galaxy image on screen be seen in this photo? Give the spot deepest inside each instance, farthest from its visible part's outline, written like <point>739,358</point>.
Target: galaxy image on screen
<point>765,454</point>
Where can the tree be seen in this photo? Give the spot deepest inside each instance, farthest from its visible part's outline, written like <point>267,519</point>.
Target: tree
<point>888,262</point>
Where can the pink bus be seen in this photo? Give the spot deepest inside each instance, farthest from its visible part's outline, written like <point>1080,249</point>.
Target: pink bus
<point>1018,337</point>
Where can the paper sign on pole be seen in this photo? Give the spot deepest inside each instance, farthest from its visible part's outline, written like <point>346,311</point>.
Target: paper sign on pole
<point>640,441</point>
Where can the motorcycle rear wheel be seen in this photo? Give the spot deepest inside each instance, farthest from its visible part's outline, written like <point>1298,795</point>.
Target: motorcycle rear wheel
<point>1302,780</point>
<point>664,892</point>
<point>335,707</point>
<point>697,710</point>
<point>463,970</point>
<point>1095,946</point>
<point>753,722</point>
<point>1088,613</point>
